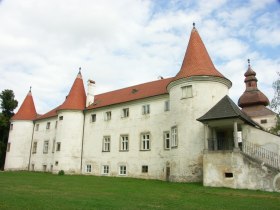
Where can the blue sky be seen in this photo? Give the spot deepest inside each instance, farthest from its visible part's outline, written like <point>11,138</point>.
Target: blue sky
<point>127,42</point>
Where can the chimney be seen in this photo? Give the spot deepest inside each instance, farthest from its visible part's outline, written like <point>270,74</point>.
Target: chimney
<point>90,94</point>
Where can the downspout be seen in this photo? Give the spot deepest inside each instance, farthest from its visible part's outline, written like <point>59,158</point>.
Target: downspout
<point>31,145</point>
<point>82,150</point>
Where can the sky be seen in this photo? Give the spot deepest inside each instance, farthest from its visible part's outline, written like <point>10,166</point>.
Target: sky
<point>127,42</point>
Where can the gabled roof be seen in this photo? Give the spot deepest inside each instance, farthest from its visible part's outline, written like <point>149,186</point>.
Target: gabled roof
<point>226,109</point>
<point>197,61</point>
<point>76,99</point>
<point>49,114</point>
<point>132,93</point>
<point>27,111</point>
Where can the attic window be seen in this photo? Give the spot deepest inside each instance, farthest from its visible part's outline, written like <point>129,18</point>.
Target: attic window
<point>228,175</point>
<point>133,91</point>
<point>263,121</point>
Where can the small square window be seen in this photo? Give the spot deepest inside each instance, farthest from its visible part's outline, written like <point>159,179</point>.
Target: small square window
<point>58,146</point>
<point>105,169</point>
<point>37,127</point>
<point>125,112</point>
<point>48,125</point>
<point>263,121</point>
<point>8,147</point>
<point>108,116</point>
<point>228,175</point>
<point>88,168</point>
<point>144,169</point>
<point>93,118</point>
<point>60,118</point>
<point>146,109</point>
<point>122,170</point>
<point>56,163</point>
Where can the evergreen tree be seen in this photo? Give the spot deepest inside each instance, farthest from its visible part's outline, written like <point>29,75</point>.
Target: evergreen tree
<point>7,106</point>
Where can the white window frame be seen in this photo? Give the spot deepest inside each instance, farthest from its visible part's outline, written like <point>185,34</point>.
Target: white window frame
<point>166,140</point>
<point>123,170</point>
<point>146,109</point>
<point>108,116</point>
<point>124,143</point>
<point>88,168</point>
<point>187,91</point>
<point>34,147</point>
<point>106,144</point>
<point>166,105</point>
<point>174,137</point>
<point>125,112</point>
<point>93,118</point>
<point>145,142</point>
<point>46,147</point>
<point>105,169</point>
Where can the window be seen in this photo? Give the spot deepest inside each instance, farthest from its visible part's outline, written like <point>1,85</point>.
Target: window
<point>228,175</point>
<point>46,147</point>
<point>88,168</point>
<point>60,118</point>
<point>93,118</point>
<point>144,169</point>
<point>146,109</point>
<point>166,138</point>
<point>145,141</point>
<point>53,146</point>
<point>58,146</point>
<point>34,148</point>
<point>122,170</point>
<point>32,167</point>
<point>11,126</point>
<point>263,121</point>
<point>56,163</point>
<point>187,91</point>
<point>166,106</point>
<point>124,143</point>
<point>48,125</point>
<point>108,116</point>
<point>106,144</point>
<point>174,137</point>
<point>125,113</point>
<point>37,127</point>
<point>8,147</point>
<point>44,168</point>
<point>105,169</point>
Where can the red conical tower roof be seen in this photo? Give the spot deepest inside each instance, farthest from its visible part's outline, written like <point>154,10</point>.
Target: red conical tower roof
<point>252,95</point>
<point>76,99</point>
<point>197,61</point>
<point>27,110</point>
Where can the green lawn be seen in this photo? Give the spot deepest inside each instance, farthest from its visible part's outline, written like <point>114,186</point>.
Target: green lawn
<point>27,190</point>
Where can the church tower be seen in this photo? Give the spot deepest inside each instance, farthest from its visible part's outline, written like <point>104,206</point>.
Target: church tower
<point>20,135</point>
<point>197,87</point>
<point>253,102</point>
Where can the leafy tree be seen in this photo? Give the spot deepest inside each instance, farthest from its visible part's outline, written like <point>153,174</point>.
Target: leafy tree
<point>7,105</point>
<point>275,102</point>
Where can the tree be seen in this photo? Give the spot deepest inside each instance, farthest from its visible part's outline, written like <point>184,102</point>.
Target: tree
<point>275,102</point>
<point>7,105</point>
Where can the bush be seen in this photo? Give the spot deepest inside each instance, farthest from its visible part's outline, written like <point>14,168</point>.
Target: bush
<point>61,173</point>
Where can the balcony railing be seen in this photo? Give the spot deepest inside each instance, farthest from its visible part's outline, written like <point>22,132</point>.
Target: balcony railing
<point>220,144</point>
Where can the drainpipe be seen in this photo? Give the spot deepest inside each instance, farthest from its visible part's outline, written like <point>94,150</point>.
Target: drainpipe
<point>82,150</point>
<point>206,131</point>
<point>31,146</point>
<point>235,136</point>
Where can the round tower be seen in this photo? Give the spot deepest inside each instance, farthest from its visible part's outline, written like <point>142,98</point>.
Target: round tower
<point>70,129</point>
<point>20,136</point>
<point>196,88</point>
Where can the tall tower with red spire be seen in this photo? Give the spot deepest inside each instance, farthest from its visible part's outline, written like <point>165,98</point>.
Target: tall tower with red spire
<point>196,87</point>
<point>20,135</point>
<point>253,102</point>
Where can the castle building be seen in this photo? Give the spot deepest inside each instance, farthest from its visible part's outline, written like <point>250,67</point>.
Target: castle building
<point>183,129</point>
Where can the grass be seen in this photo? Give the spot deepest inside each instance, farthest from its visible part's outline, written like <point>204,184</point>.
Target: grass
<point>27,190</point>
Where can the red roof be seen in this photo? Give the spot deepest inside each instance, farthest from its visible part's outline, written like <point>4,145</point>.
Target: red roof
<point>197,61</point>
<point>27,110</point>
<point>49,114</point>
<point>76,99</point>
<point>132,93</point>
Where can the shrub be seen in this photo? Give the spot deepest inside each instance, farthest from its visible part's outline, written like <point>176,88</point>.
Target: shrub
<point>61,173</point>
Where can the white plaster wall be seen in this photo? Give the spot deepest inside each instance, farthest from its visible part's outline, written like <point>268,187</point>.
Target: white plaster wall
<point>184,112</point>
<point>155,123</point>
<point>70,134</point>
<point>39,158</point>
<point>261,138</point>
<point>247,174</point>
<point>271,121</point>
<point>20,140</point>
